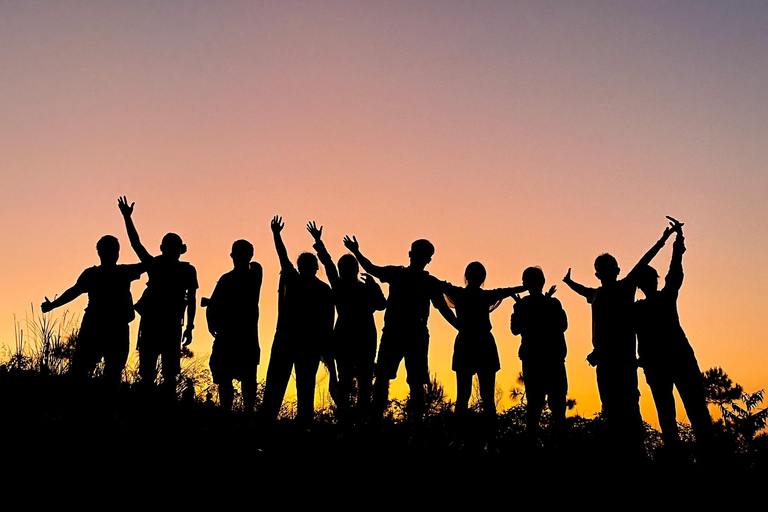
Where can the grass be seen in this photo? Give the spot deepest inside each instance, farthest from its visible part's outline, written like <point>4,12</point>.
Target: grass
<point>45,412</point>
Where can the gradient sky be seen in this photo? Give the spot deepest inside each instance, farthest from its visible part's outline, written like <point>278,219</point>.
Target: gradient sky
<point>513,133</point>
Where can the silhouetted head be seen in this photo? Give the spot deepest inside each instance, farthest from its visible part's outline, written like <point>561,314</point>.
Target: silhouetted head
<point>108,249</point>
<point>421,253</point>
<point>307,264</point>
<point>348,267</point>
<point>475,274</point>
<point>606,268</point>
<point>533,279</point>
<point>172,245</point>
<point>647,279</point>
<point>242,252</point>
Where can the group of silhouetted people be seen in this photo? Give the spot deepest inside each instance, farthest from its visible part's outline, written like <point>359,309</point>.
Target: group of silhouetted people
<point>335,325</point>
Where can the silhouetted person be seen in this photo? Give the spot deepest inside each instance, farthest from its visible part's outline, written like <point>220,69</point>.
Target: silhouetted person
<point>614,346</point>
<point>171,290</point>
<point>304,327</point>
<point>405,334</point>
<point>665,353</point>
<point>475,352</point>
<point>541,322</point>
<point>104,330</point>
<point>233,320</point>
<point>354,335</point>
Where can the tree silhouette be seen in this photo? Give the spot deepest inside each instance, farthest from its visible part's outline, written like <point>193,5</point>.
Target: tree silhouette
<point>741,414</point>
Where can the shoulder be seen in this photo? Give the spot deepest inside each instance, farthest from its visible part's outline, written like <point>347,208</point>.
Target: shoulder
<point>88,275</point>
<point>554,302</point>
<point>391,272</point>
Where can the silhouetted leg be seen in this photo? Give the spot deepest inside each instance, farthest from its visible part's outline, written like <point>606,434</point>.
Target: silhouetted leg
<point>556,398</point>
<point>249,386</point>
<point>690,385</point>
<point>380,397</point>
<point>116,356</point>
<point>389,357</point>
<point>535,391</point>
<point>149,352</point>
<point>171,360</point>
<point>487,381</point>
<point>346,379</point>
<point>620,397</point>
<point>226,394</point>
<point>463,391</point>
<point>417,369</point>
<point>662,390</point>
<point>278,375</point>
<point>86,355</point>
<point>306,373</point>
<point>364,388</point>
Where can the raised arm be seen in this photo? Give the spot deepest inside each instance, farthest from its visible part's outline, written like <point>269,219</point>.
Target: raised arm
<point>322,253</point>
<point>582,290</point>
<point>133,235</point>
<point>674,279</point>
<point>653,251</point>
<point>282,253</point>
<point>354,248</point>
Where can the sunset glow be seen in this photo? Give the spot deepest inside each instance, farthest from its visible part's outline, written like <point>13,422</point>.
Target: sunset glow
<point>511,133</point>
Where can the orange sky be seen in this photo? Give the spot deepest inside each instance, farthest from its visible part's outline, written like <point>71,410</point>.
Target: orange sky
<point>536,134</point>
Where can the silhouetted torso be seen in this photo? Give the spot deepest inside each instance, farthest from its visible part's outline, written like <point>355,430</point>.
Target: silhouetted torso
<point>613,335</point>
<point>475,348</point>
<point>233,310</point>
<point>169,282</point>
<point>541,322</point>
<point>305,311</point>
<point>109,291</point>
<point>659,334</point>
<point>410,294</point>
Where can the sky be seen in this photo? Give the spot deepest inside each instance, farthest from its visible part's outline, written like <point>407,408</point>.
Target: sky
<point>510,133</point>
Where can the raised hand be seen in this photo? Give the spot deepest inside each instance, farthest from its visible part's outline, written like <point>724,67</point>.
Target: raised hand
<point>46,306</point>
<point>277,224</point>
<point>316,233</point>
<point>126,210</point>
<point>552,290</point>
<point>676,224</point>
<point>351,244</point>
<point>567,276</point>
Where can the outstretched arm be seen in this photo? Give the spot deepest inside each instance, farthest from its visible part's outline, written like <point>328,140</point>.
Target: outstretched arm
<point>503,293</point>
<point>133,235</point>
<point>282,253</point>
<point>65,298</point>
<point>354,248</point>
<point>322,253</point>
<point>582,290</point>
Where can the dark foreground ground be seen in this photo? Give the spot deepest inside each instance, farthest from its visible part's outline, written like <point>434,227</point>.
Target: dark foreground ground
<point>63,441</point>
